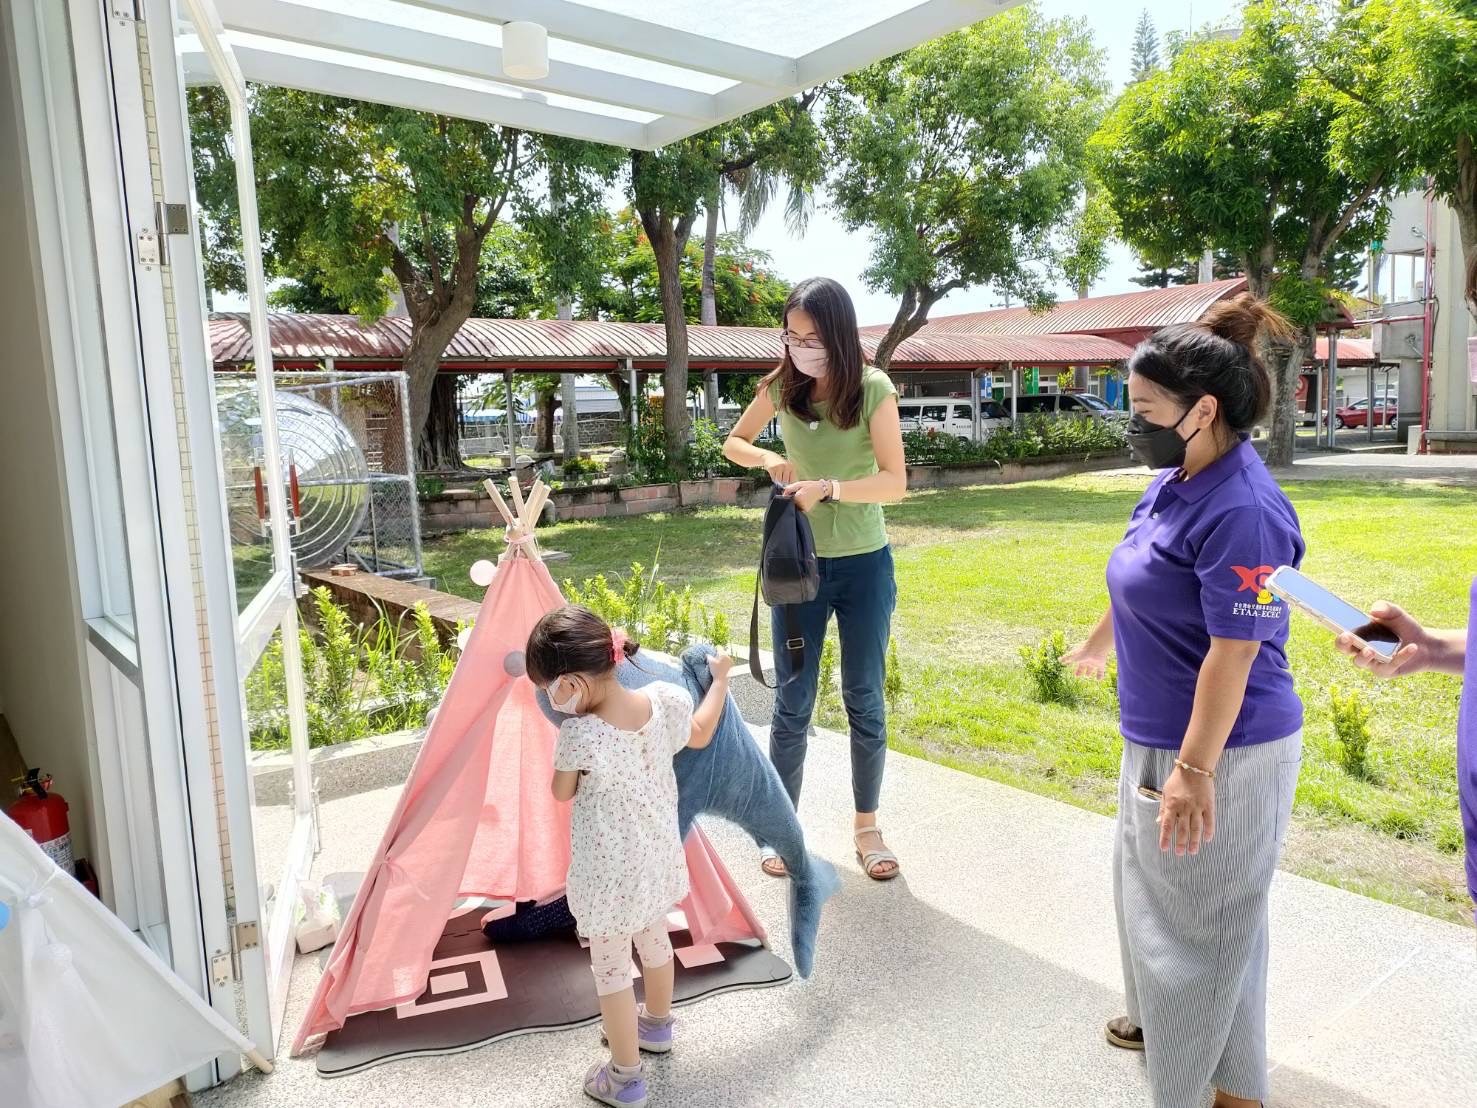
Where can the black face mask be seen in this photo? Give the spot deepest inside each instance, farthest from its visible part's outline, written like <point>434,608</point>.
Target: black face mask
<point>1158,447</point>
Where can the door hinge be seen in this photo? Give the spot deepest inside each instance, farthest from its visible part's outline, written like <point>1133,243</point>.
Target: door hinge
<point>222,970</point>
<point>175,218</point>
<point>150,252</point>
<point>244,936</point>
<point>124,9</point>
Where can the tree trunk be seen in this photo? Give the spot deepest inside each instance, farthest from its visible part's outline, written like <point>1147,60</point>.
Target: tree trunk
<point>567,382</point>
<point>912,314</point>
<point>1464,202</point>
<point>546,400</point>
<point>667,245</point>
<point>620,384</point>
<point>709,314</point>
<point>1287,367</point>
<point>422,363</point>
<point>439,447</point>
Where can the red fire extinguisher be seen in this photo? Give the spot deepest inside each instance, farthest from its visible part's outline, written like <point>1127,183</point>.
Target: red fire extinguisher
<point>42,814</point>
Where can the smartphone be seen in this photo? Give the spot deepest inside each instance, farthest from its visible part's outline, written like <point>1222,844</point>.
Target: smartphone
<point>1150,793</point>
<point>1337,615</point>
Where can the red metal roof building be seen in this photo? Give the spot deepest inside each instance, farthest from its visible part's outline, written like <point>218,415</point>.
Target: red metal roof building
<point>549,345</point>
<point>1129,317</point>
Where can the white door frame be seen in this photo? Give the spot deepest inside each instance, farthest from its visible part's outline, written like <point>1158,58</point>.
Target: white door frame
<point>263,970</point>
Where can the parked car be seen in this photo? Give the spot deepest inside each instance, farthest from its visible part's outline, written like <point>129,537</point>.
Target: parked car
<point>1069,404</point>
<point>1357,414</point>
<point>950,416</point>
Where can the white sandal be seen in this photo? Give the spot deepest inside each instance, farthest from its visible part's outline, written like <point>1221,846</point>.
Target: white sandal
<point>872,858</point>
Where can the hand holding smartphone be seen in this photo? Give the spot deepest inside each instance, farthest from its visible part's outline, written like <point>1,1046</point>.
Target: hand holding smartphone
<point>1339,616</point>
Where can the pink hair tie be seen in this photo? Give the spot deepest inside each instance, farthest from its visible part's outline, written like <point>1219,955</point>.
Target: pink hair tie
<point>618,643</point>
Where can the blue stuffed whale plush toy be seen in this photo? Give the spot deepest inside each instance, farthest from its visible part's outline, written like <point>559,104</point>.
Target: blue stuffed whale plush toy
<point>731,777</point>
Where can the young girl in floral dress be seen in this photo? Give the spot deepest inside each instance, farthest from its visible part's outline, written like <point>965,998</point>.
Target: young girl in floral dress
<point>627,870</point>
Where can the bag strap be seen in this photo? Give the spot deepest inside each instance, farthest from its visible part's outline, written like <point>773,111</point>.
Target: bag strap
<point>794,645</point>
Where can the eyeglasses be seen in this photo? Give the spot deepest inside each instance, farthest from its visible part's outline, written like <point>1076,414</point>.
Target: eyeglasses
<point>804,344</point>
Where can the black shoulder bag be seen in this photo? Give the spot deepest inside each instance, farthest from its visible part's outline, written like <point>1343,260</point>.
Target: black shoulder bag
<point>788,574</point>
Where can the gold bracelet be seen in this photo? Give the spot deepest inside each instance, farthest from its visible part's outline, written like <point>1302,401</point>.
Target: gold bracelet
<point>1182,764</point>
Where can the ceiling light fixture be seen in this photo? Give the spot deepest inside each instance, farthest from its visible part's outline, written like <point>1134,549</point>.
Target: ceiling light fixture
<point>525,51</point>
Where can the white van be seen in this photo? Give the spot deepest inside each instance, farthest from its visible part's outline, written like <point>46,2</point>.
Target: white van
<point>950,415</point>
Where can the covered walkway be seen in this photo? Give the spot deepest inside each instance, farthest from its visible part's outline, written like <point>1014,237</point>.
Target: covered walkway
<point>585,346</point>
<point>984,975</point>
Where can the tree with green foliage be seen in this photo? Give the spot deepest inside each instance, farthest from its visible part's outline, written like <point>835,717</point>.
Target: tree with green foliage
<point>747,291</point>
<point>369,200</point>
<point>964,157</point>
<point>671,186</point>
<point>509,283</point>
<point>1181,271</point>
<point>1232,146</point>
<point>1145,47</point>
<point>1409,77</point>
<point>1083,253</point>
<point>564,232</point>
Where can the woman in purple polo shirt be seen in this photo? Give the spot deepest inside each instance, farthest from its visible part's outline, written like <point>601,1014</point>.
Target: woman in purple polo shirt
<point>1211,724</point>
<point>1426,651</point>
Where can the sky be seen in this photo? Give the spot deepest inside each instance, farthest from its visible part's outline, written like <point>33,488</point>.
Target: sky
<point>828,249</point>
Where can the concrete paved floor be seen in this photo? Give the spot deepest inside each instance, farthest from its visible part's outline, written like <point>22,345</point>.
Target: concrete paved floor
<point>982,977</point>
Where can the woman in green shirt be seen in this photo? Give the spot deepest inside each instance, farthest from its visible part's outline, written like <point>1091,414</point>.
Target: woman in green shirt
<point>838,418</point>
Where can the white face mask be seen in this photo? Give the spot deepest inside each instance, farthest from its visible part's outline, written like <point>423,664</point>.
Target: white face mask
<point>812,363</point>
<point>568,706</point>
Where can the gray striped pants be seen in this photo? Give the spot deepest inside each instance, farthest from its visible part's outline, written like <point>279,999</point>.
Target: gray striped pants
<point>1193,930</point>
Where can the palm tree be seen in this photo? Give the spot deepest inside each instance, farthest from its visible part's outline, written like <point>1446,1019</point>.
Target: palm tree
<point>756,188</point>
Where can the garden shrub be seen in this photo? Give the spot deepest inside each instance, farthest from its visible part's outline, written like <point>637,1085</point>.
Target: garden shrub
<point>359,681</point>
<point>1351,714</point>
<point>581,469</point>
<point>1038,436</point>
<point>1053,684</point>
<point>649,610</point>
<point>825,693</point>
<point>892,679</point>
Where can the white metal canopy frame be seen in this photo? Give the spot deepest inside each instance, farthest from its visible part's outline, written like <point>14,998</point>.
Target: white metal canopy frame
<point>621,72</point>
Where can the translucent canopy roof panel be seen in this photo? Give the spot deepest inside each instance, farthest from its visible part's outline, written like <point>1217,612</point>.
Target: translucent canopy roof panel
<point>625,72</point>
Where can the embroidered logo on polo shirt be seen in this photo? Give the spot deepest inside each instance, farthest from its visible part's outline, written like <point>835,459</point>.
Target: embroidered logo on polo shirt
<point>1255,580</point>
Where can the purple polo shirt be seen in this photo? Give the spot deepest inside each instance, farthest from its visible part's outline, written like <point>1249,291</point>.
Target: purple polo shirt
<point>1466,750</point>
<point>1194,564</point>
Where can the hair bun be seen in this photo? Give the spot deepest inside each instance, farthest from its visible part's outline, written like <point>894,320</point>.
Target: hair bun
<point>1243,319</point>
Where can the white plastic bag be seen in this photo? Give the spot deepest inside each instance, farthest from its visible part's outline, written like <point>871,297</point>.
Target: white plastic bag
<point>317,918</point>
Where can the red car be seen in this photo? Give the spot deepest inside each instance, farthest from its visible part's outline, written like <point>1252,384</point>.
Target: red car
<point>1386,414</point>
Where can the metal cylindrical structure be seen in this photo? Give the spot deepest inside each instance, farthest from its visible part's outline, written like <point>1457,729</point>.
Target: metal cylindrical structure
<point>1331,403</point>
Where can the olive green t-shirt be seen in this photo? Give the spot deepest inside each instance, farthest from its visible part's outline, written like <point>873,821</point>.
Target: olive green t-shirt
<point>822,449</point>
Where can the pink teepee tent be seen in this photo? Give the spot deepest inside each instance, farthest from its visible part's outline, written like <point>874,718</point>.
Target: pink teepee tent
<point>477,817</point>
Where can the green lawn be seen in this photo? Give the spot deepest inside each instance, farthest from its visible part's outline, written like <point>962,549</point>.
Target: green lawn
<point>982,571</point>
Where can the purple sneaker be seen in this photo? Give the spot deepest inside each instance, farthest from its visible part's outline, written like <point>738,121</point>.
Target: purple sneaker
<point>602,1084</point>
<point>652,1035</point>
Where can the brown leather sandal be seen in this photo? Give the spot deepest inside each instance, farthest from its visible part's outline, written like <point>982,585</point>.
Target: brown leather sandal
<point>772,864</point>
<point>1124,1035</point>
